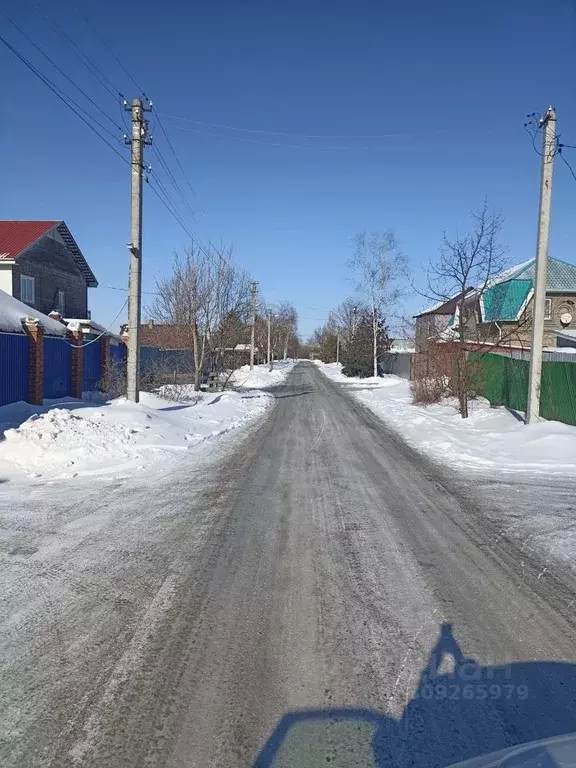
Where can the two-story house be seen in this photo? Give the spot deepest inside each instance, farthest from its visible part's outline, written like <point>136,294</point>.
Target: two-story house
<point>501,314</point>
<point>42,265</point>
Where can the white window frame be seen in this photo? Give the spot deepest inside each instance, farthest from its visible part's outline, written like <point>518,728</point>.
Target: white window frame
<point>547,309</point>
<point>26,280</point>
<point>61,302</point>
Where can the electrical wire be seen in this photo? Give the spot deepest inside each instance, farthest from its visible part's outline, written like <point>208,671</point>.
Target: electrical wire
<point>70,80</point>
<point>172,179</point>
<point>110,51</point>
<point>282,133</point>
<point>117,288</point>
<point>270,143</point>
<point>82,57</point>
<point>156,149</point>
<point>175,155</point>
<point>62,96</point>
<point>170,209</point>
<point>567,164</point>
<point>106,330</point>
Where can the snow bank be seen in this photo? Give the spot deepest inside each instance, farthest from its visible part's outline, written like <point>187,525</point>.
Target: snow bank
<point>261,377</point>
<point>491,439</point>
<point>68,438</point>
<point>13,312</point>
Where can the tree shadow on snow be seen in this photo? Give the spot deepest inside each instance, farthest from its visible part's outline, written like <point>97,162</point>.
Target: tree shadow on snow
<point>460,710</point>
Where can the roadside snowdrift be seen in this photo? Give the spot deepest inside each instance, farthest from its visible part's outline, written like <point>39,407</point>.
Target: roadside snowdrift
<point>261,377</point>
<point>68,438</point>
<point>491,439</point>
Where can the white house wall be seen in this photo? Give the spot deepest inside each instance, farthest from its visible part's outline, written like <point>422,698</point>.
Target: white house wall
<point>6,278</point>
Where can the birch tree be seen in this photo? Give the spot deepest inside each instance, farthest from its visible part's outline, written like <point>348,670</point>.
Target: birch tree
<point>379,270</point>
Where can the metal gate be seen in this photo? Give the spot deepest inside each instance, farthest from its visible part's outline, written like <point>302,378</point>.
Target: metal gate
<point>57,368</point>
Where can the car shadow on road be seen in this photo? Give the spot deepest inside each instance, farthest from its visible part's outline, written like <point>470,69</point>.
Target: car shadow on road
<point>460,710</point>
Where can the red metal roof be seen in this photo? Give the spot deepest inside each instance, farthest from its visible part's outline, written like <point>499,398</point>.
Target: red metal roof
<point>16,236</point>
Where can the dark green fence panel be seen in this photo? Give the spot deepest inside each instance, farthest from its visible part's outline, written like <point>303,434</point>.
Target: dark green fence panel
<point>558,393</point>
<point>505,382</point>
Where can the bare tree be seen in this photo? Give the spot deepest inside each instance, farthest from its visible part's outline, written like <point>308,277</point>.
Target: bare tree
<point>379,269</point>
<point>183,299</point>
<point>466,266</point>
<point>288,322</point>
<point>343,319</point>
<point>206,299</point>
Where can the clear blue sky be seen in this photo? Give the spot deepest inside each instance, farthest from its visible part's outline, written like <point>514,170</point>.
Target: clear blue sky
<point>441,88</point>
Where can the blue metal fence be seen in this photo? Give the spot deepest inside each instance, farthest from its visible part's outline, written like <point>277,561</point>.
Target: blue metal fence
<point>117,354</point>
<point>156,360</point>
<point>91,366</point>
<point>13,367</point>
<point>57,368</point>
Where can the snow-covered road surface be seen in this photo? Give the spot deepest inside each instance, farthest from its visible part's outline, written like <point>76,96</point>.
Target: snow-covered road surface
<point>323,596</point>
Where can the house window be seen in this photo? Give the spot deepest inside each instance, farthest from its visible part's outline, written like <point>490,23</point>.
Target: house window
<point>548,309</point>
<point>60,303</point>
<point>27,289</point>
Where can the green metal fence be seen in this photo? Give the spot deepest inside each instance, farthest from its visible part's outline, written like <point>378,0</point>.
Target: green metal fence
<point>505,382</point>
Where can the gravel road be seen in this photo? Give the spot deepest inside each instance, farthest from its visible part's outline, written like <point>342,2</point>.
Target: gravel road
<point>328,597</point>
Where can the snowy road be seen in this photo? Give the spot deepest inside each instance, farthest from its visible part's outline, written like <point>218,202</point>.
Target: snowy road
<point>323,597</point>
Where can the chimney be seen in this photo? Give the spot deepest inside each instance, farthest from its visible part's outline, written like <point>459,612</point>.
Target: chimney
<point>150,323</point>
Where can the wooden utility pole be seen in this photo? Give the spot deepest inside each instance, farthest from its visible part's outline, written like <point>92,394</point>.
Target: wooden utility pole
<point>254,292</point>
<point>137,142</point>
<point>337,347</point>
<point>548,125</point>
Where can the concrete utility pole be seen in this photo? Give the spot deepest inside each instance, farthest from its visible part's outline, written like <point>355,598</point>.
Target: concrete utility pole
<point>269,333</point>
<point>254,292</point>
<point>137,142</point>
<point>337,347</point>
<point>548,124</point>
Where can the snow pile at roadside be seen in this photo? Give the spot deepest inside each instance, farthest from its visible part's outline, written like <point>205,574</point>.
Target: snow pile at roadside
<point>69,438</point>
<point>261,377</point>
<point>490,439</point>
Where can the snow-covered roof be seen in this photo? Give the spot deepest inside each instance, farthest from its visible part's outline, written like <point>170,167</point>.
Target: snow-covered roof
<point>566,333</point>
<point>14,312</point>
<point>444,303</point>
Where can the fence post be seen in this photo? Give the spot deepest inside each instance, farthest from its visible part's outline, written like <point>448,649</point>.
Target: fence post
<point>76,338</point>
<point>104,363</point>
<point>35,361</point>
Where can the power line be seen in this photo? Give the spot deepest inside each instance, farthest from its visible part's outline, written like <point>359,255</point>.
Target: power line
<point>111,52</point>
<point>83,58</point>
<point>104,331</point>
<point>271,143</point>
<point>167,204</point>
<point>172,179</point>
<point>567,163</point>
<point>117,288</point>
<point>63,97</point>
<point>64,74</point>
<point>175,155</point>
<point>282,133</point>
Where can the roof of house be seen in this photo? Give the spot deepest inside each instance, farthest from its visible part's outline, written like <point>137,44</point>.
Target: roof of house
<point>13,312</point>
<point>18,236</point>
<point>560,276</point>
<point>503,301</point>
<point>166,336</point>
<point>508,294</point>
<point>445,307</point>
<point>566,333</point>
